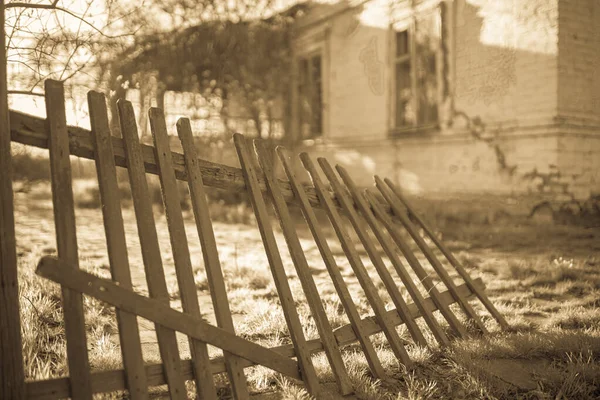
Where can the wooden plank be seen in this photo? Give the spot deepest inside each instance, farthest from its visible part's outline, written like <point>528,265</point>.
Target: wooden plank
<point>154,310</point>
<point>450,257</point>
<point>155,275</point>
<point>416,266</point>
<point>333,269</point>
<point>356,263</point>
<point>435,263</point>
<point>210,254</point>
<point>309,375</point>
<point>29,130</point>
<point>11,356</point>
<point>181,253</point>
<point>309,287</point>
<point>66,237</point>
<point>110,381</point>
<point>389,249</point>
<point>369,246</point>
<point>129,334</point>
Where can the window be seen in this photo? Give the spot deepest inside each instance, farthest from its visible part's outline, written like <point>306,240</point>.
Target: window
<point>416,72</point>
<point>310,97</point>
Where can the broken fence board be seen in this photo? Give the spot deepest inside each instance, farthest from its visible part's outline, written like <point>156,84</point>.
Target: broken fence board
<point>155,275</point>
<point>356,263</point>
<point>309,287</point>
<point>105,290</point>
<point>389,249</point>
<point>436,265</point>
<point>109,381</point>
<point>336,276</point>
<point>210,254</point>
<point>309,375</point>
<point>129,334</point>
<point>205,384</point>
<point>450,257</point>
<point>369,246</point>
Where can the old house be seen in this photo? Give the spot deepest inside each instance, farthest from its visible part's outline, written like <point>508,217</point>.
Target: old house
<point>453,96</point>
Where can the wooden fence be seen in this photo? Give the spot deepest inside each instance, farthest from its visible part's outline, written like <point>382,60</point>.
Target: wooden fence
<point>379,217</point>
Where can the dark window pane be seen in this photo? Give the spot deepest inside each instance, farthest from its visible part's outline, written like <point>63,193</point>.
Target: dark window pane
<point>310,97</point>
<point>405,113</point>
<point>401,43</point>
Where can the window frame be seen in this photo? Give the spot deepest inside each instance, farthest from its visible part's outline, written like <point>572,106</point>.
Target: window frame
<point>308,56</point>
<point>410,23</point>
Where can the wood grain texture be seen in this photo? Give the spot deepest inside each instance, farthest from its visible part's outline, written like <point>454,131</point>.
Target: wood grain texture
<point>357,265</point>
<point>66,237</point>
<point>210,254</point>
<point>309,376</point>
<point>450,257</point>
<point>129,334</point>
<point>309,287</point>
<point>435,263</point>
<point>110,381</point>
<point>390,251</point>
<point>155,275</point>
<point>29,130</point>
<point>333,269</point>
<point>205,385</point>
<point>12,384</point>
<point>194,326</point>
<point>423,276</point>
<point>382,271</point>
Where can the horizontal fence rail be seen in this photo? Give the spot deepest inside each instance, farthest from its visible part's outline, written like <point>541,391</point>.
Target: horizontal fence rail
<point>29,130</point>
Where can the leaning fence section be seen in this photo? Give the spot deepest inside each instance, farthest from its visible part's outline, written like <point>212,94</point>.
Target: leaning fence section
<point>380,217</point>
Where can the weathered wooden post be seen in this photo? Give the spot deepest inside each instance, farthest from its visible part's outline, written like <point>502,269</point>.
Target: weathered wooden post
<point>12,382</point>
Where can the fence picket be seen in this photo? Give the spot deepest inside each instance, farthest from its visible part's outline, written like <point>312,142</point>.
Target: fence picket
<point>386,277</point>
<point>400,269</point>
<point>437,266</point>
<point>449,256</point>
<point>181,253</point>
<point>129,335</point>
<point>155,275</point>
<point>210,254</point>
<point>303,270</point>
<point>333,269</point>
<point>66,237</point>
<point>356,263</point>
<point>309,375</point>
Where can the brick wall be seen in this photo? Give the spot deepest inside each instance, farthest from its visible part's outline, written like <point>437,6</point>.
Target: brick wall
<point>579,60</point>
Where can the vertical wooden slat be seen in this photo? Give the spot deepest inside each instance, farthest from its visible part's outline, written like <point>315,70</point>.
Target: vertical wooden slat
<point>11,357</point>
<point>210,255</point>
<point>356,263</point>
<point>284,292</point>
<point>437,266</point>
<point>66,238</point>
<point>449,256</point>
<point>155,275</point>
<point>308,284</point>
<point>333,269</point>
<point>386,277</point>
<point>129,334</point>
<point>181,253</point>
<point>389,249</point>
<point>432,259</point>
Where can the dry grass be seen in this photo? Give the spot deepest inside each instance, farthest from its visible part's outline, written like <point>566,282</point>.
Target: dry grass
<point>545,280</point>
